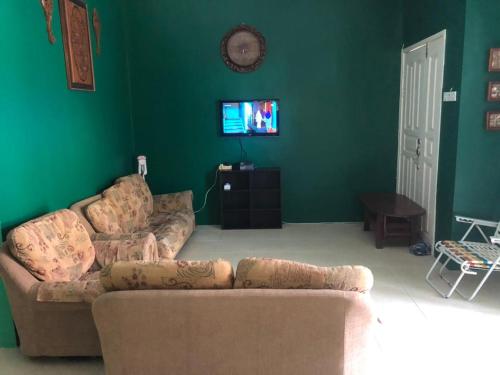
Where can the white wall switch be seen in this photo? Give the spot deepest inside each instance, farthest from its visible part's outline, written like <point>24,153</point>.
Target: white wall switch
<point>450,96</point>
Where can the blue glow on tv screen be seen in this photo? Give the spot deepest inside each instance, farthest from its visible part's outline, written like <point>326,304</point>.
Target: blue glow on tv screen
<point>250,118</point>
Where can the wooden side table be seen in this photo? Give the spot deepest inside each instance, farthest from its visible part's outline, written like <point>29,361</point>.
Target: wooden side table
<point>394,215</point>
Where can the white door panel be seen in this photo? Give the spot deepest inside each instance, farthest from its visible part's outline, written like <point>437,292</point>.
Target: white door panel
<point>420,120</point>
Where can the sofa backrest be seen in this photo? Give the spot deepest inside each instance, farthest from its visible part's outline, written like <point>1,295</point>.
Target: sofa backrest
<point>54,247</point>
<point>244,332</point>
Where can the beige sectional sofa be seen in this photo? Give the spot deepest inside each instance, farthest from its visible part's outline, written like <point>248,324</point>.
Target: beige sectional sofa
<point>107,261</point>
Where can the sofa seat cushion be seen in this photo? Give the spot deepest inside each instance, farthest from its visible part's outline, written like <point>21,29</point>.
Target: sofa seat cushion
<point>54,247</point>
<point>86,289</point>
<point>168,274</point>
<point>284,274</point>
<point>141,191</point>
<point>111,248</point>
<point>171,230</point>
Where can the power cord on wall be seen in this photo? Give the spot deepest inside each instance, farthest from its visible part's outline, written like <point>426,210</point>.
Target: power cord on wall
<point>243,157</point>
<point>208,191</point>
<point>243,153</point>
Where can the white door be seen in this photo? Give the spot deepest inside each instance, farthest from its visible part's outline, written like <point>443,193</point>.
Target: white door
<point>422,69</point>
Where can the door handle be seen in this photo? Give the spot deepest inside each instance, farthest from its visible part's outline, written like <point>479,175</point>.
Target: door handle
<point>417,153</point>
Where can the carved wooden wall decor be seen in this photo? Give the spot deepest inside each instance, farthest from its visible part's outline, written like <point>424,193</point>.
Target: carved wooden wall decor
<point>97,31</point>
<point>243,49</point>
<point>77,47</point>
<point>48,10</point>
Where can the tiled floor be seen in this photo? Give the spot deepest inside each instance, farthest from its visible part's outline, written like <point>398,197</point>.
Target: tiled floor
<point>421,333</point>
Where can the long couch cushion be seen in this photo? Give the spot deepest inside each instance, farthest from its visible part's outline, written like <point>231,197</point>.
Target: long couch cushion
<point>284,274</point>
<point>111,248</point>
<point>141,191</point>
<point>168,274</point>
<point>54,247</point>
<point>87,289</point>
<point>171,230</point>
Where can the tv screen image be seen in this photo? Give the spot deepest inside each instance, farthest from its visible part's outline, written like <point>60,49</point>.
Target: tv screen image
<point>250,118</point>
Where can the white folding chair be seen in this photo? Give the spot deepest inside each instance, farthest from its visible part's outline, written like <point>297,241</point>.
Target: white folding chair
<point>469,256</point>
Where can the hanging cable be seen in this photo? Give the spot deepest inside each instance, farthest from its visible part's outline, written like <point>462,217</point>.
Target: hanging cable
<point>243,153</point>
<point>208,191</point>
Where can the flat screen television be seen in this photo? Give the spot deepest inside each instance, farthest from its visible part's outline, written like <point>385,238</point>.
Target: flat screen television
<point>243,118</point>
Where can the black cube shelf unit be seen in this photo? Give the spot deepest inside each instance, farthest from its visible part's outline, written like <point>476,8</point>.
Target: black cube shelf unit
<point>254,201</point>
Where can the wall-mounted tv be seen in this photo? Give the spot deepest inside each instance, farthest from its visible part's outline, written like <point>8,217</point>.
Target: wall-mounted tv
<point>243,118</point>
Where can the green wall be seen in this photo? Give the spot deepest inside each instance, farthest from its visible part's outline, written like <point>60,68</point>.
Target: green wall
<point>57,146</point>
<point>477,183</point>
<point>7,333</point>
<point>422,19</point>
<point>333,64</point>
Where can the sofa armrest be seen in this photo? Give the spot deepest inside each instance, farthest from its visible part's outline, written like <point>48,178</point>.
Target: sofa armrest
<point>111,248</point>
<point>166,203</point>
<point>15,275</point>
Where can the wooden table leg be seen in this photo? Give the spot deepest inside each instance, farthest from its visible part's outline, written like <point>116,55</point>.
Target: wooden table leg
<point>379,231</point>
<point>366,226</point>
<point>414,229</point>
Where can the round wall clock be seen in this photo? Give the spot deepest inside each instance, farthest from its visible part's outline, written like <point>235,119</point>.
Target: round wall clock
<point>243,49</point>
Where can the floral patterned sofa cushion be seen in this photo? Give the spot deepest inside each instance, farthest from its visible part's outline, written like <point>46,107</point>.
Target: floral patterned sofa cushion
<point>86,290</point>
<point>111,248</point>
<point>284,274</point>
<point>172,230</point>
<point>168,274</point>
<point>54,247</point>
<point>103,217</point>
<point>119,210</point>
<point>166,203</point>
<point>141,191</point>
<point>131,211</point>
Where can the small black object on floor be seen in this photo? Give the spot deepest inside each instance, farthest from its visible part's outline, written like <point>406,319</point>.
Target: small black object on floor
<point>420,249</point>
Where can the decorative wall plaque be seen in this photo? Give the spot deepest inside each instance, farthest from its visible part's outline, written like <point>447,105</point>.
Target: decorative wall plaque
<point>243,49</point>
<point>48,10</point>
<point>493,121</point>
<point>77,47</point>
<point>97,31</point>
<point>494,91</point>
<point>494,63</point>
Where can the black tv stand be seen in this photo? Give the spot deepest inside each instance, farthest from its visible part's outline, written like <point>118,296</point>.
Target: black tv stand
<point>253,201</point>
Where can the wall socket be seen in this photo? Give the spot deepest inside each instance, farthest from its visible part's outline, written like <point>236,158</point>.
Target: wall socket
<point>450,96</point>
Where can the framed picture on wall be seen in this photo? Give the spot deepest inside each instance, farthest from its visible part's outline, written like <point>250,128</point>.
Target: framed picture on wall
<point>493,121</point>
<point>494,65</point>
<point>494,91</point>
<point>77,48</point>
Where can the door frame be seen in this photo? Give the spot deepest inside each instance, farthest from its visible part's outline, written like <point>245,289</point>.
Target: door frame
<point>404,51</point>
